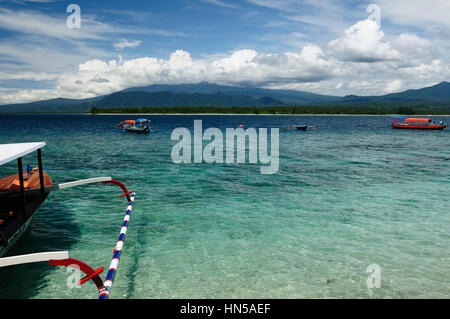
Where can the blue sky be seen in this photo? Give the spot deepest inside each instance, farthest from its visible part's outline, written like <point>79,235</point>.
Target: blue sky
<point>329,47</point>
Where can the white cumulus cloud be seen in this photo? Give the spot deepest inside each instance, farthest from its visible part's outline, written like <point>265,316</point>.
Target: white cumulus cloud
<point>363,42</point>
<point>361,61</point>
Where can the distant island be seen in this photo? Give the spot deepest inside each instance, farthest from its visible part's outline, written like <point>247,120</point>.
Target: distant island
<point>213,98</point>
<point>286,110</point>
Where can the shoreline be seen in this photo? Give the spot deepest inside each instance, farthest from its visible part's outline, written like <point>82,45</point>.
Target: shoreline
<point>252,114</point>
<point>225,114</point>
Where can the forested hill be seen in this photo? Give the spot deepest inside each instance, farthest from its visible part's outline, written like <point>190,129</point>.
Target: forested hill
<point>213,95</point>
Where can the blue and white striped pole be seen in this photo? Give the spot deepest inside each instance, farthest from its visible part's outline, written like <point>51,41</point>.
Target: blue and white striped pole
<point>116,253</point>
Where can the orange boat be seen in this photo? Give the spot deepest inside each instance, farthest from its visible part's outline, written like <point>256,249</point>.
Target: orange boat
<point>136,126</point>
<point>403,122</point>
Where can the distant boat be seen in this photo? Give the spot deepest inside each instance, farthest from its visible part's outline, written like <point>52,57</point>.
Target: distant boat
<point>305,127</point>
<point>136,126</point>
<point>403,122</point>
<point>301,127</point>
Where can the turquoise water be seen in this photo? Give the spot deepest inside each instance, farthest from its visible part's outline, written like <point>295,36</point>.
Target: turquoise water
<point>351,194</point>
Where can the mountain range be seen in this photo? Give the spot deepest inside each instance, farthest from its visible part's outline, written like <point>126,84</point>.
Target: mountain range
<point>209,94</point>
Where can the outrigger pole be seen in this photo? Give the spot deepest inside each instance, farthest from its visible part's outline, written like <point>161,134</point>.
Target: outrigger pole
<point>116,252</point>
<point>33,258</point>
<point>61,258</point>
<point>81,182</point>
<point>104,289</point>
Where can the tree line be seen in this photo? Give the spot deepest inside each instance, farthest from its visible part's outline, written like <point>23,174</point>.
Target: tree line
<point>322,109</point>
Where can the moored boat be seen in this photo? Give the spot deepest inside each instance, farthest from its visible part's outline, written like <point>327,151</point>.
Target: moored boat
<point>301,127</point>
<point>136,126</point>
<point>403,122</point>
<point>23,193</point>
<point>17,205</point>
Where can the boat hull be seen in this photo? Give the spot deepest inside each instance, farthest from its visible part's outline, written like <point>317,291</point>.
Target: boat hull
<point>14,238</point>
<point>418,127</point>
<point>14,224</point>
<point>136,130</point>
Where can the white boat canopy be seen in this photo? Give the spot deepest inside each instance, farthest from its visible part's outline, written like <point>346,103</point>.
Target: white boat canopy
<point>10,152</point>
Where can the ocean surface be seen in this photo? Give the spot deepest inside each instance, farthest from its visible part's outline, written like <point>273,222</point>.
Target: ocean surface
<point>351,194</point>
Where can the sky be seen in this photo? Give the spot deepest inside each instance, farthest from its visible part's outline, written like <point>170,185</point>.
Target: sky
<point>328,47</point>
